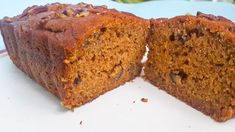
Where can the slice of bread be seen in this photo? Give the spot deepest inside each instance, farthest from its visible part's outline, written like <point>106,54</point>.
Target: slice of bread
<point>193,59</point>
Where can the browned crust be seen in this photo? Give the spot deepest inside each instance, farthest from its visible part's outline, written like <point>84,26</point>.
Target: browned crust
<point>51,18</point>
<point>219,23</point>
<point>213,17</point>
<point>214,23</point>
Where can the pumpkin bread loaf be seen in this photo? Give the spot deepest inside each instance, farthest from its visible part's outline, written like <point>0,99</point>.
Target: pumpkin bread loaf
<point>77,52</point>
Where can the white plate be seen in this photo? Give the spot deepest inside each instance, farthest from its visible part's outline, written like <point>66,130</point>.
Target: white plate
<point>27,107</point>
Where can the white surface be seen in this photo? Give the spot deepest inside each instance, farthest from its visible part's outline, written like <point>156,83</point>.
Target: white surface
<point>27,107</point>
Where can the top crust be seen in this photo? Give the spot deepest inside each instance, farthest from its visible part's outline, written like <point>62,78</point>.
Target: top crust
<point>215,20</point>
<point>217,24</point>
<point>57,20</point>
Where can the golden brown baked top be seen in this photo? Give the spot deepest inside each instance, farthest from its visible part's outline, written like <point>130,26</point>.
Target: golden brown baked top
<point>62,11</point>
<point>216,24</point>
<point>68,23</point>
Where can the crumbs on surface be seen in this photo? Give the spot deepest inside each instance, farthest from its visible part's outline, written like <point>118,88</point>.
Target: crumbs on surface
<point>67,106</point>
<point>145,100</point>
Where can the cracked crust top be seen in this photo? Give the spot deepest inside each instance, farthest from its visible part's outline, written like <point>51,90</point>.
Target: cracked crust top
<point>79,21</point>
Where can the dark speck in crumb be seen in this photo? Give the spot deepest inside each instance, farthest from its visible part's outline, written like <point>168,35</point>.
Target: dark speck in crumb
<point>133,102</point>
<point>80,123</point>
<point>145,100</point>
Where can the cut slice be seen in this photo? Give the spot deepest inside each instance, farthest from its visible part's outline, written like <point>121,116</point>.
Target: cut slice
<point>192,58</point>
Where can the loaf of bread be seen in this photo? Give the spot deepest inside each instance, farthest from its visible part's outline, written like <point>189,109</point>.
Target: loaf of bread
<point>193,59</point>
<point>79,52</point>
<point>76,52</point>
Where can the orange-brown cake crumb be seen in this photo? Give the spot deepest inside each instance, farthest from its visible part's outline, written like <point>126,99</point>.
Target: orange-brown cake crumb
<point>192,58</point>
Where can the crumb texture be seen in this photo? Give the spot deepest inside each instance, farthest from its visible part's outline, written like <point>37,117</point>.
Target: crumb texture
<point>192,58</point>
<point>111,56</point>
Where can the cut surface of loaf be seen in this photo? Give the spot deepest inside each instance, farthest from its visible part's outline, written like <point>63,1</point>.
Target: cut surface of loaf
<point>193,59</point>
<point>77,52</point>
